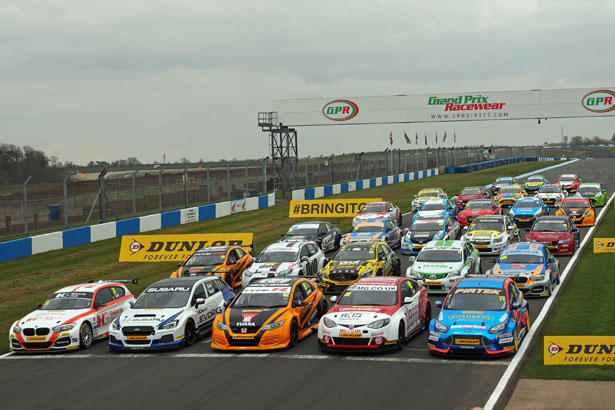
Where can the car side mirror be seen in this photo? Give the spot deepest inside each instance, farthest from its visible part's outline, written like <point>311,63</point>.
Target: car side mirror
<point>406,229</point>
<point>132,303</point>
<point>180,263</point>
<point>199,301</point>
<point>411,259</point>
<point>298,303</point>
<point>438,303</point>
<point>407,300</point>
<point>333,299</point>
<point>494,259</point>
<point>516,305</point>
<point>38,306</point>
<point>304,258</point>
<point>509,227</point>
<point>327,260</point>
<point>450,228</point>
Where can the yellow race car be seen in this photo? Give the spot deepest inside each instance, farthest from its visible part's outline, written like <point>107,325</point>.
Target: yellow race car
<point>358,260</point>
<point>507,195</point>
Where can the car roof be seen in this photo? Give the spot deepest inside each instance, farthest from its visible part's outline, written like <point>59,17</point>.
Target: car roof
<point>553,218</point>
<point>575,199</point>
<point>487,201</point>
<point>87,287</point>
<point>430,190</point>
<point>524,247</point>
<point>483,281</point>
<point>361,245</point>
<point>504,178</point>
<point>568,175</point>
<point>212,249</point>
<point>536,176</point>
<point>591,184</point>
<point>285,246</point>
<point>380,280</point>
<point>374,222</point>
<point>445,244</point>
<point>435,201</point>
<point>551,186</point>
<point>377,203</point>
<point>499,218</point>
<point>183,281</point>
<point>528,199</point>
<point>273,282</point>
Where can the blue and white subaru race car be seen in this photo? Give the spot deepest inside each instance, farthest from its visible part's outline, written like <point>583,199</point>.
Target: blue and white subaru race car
<point>481,315</point>
<point>531,266</point>
<point>436,208</point>
<point>171,313</point>
<point>525,210</point>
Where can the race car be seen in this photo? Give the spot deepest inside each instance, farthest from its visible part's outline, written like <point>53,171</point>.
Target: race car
<point>481,314</point>
<point>507,195</point>
<point>285,259</point>
<point>470,193</point>
<point>71,318</point>
<point>475,208</point>
<point>502,182</point>
<point>525,210</point>
<point>170,313</point>
<point>570,182</point>
<point>228,262</point>
<point>385,230</point>
<point>579,210</point>
<point>440,264</point>
<point>326,236</point>
<point>427,194</point>
<point>533,183</point>
<point>551,193</point>
<point>435,208</point>
<point>593,191</point>
<point>374,210</point>
<point>359,260</point>
<point>491,234</point>
<point>558,233</point>
<point>270,314</point>
<point>375,313</point>
<point>531,266</point>
<point>425,230</point>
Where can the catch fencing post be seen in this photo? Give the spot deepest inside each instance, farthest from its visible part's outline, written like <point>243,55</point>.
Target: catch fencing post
<point>66,198</point>
<point>265,176</point>
<point>160,188</point>
<point>134,193</point>
<point>307,177</point>
<point>25,205</point>
<point>186,186</point>
<point>208,185</point>
<point>247,194</point>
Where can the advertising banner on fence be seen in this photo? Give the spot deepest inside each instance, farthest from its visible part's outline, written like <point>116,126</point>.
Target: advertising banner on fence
<point>175,248</point>
<point>604,245</point>
<point>596,350</point>
<point>312,208</point>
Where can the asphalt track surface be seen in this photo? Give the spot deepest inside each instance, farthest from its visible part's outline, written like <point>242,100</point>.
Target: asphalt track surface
<point>299,378</point>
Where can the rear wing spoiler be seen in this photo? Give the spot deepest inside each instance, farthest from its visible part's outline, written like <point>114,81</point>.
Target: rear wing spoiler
<point>133,281</point>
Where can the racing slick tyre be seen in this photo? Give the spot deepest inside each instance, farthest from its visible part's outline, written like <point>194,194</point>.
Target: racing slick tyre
<point>189,333</point>
<point>294,333</point>
<point>427,317</point>
<point>397,269</point>
<point>86,336</point>
<point>379,273</point>
<point>337,246</point>
<point>401,336</point>
<point>516,341</point>
<point>400,220</point>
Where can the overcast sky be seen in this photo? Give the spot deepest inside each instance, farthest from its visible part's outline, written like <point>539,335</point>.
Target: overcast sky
<point>104,80</point>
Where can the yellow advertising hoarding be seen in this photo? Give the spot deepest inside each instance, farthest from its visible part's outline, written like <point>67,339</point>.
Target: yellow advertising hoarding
<point>604,245</point>
<point>596,350</point>
<point>175,248</point>
<point>312,208</point>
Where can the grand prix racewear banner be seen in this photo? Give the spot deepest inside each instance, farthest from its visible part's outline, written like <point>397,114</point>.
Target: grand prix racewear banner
<point>604,245</point>
<point>175,248</point>
<point>313,208</point>
<point>437,107</point>
<point>596,350</point>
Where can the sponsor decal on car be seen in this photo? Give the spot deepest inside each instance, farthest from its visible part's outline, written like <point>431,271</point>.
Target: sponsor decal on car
<point>576,350</point>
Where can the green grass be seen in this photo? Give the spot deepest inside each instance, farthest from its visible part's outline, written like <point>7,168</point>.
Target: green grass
<point>28,281</point>
<point>585,308</point>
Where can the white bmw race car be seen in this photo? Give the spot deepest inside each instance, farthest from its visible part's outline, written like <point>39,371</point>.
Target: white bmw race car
<point>171,313</point>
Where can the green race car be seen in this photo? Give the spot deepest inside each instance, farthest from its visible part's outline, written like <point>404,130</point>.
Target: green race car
<point>593,191</point>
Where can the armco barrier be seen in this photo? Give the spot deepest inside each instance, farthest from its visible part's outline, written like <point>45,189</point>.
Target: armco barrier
<point>320,191</point>
<point>65,239</point>
<point>477,166</point>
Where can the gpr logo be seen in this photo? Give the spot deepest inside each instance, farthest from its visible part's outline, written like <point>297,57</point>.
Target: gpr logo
<point>340,110</point>
<point>599,101</point>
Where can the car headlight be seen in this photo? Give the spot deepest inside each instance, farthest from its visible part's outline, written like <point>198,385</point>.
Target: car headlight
<point>438,235</point>
<point>510,212</point>
<point>64,328</point>
<point>115,325</point>
<point>440,327</point>
<point>454,273</point>
<point>366,273</point>
<point>284,272</point>
<point>500,238</point>
<point>412,273</point>
<point>274,325</point>
<point>563,241</point>
<point>16,329</point>
<point>379,323</point>
<point>599,194</point>
<point>221,326</point>
<point>538,213</point>
<point>538,278</point>
<point>169,325</point>
<point>248,274</point>
<point>497,328</point>
<point>328,322</point>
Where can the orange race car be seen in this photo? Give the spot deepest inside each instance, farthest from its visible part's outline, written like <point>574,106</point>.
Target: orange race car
<point>228,262</point>
<point>270,314</point>
<point>580,211</point>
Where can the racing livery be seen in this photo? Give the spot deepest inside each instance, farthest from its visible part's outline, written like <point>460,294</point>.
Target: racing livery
<point>579,210</point>
<point>507,195</point>
<point>477,207</point>
<point>558,233</point>
<point>228,262</point>
<point>359,260</point>
<point>551,193</point>
<point>425,230</point>
<point>482,314</point>
<point>502,182</point>
<point>170,313</point>
<point>440,264</point>
<point>285,259</point>
<point>324,234</point>
<point>570,182</point>
<point>435,208</point>
<point>595,192</point>
<point>491,234</point>
<point>470,193</point>
<point>375,210</point>
<point>375,230</point>
<point>531,266</point>
<point>375,313</point>
<point>534,183</point>
<point>525,210</point>
<point>427,194</point>
<point>270,314</point>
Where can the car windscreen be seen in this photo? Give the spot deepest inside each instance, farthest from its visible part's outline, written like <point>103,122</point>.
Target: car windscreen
<point>550,190</point>
<point>575,204</point>
<point>263,297</point>
<point>471,191</point>
<point>521,258</point>
<point>550,226</point>
<point>368,228</point>
<point>370,208</point>
<point>68,300</point>
<point>433,207</point>
<point>208,259</point>
<point>427,194</point>
<point>588,190</point>
<point>369,295</point>
<point>487,226</point>
<point>158,297</point>
<point>534,179</point>
<point>476,299</point>
<point>439,255</point>
<point>509,190</point>
<point>276,256</point>
<point>527,204</point>
<point>477,206</point>
<point>354,254</point>
<point>427,227</point>
<point>504,181</point>
<point>311,229</point>
<point>567,179</point>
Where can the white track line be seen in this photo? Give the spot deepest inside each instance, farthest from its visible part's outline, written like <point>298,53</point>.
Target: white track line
<point>6,355</point>
<point>520,355</point>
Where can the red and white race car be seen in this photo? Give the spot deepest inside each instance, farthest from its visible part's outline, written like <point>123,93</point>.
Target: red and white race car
<point>71,318</point>
<point>476,208</point>
<point>374,313</point>
<point>378,210</point>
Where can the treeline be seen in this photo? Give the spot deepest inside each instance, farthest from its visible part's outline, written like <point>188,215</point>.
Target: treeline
<point>21,162</point>
<point>578,140</point>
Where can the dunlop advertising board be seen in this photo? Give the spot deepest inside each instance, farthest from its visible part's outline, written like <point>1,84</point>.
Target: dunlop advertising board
<point>563,350</point>
<point>443,107</point>
<point>604,245</point>
<point>175,248</point>
<point>312,208</point>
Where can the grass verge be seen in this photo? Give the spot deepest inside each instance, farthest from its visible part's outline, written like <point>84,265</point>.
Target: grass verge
<point>28,281</point>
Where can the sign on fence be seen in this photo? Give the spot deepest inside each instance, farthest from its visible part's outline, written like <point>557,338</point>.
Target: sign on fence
<point>604,245</point>
<point>328,207</point>
<point>597,350</point>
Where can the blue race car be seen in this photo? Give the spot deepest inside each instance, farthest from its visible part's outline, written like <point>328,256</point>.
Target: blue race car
<point>481,315</point>
<point>375,230</point>
<point>424,230</point>
<point>436,208</point>
<point>525,210</point>
<point>531,266</point>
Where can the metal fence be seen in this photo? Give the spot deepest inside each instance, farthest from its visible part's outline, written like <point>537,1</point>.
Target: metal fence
<point>78,199</point>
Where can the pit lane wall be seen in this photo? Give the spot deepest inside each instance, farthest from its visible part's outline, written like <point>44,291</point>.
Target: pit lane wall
<point>20,248</point>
